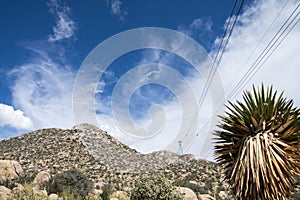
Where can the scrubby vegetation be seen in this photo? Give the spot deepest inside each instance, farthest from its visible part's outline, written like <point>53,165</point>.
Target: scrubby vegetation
<point>72,181</point>
<point>155,187</point>
<point>26,192</point>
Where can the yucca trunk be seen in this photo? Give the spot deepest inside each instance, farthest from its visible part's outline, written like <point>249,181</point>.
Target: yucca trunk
<point>258,145</point>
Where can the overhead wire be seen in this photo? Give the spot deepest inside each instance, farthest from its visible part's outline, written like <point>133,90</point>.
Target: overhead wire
<point>258,44</point>
<point>220,52</point>
<point>217,59</point>
<point>274,43</point>
<point>267,52</point>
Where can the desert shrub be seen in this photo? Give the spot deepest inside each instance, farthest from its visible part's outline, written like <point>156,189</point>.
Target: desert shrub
<point>69,195</point>
<point>72,181</point>
<point>296,196</point>
<point>155,187</point>
<point>8,183</point>
<point>107,191</point>
<point>27,178</point>
<point>26,193</point>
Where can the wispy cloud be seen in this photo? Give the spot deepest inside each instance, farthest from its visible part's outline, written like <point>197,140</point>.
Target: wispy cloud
<point>42,88</point>
<point>116,8</point>
<point>65,26</point>
<point>14,118</point>
<point>199,26</point>
<point>201,30</point>
<point>247,42</point>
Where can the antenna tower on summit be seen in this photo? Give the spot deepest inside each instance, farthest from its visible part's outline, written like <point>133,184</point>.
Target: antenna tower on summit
<point>181,160</point>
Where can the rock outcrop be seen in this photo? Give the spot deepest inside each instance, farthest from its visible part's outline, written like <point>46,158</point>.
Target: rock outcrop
<point>10,170</point>
<point>4,192</point>
<point>187,193</point>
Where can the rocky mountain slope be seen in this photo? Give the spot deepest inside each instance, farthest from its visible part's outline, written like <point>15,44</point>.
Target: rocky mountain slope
<point>85,147</point>
<point>104,159</point>
<point>109,151</point>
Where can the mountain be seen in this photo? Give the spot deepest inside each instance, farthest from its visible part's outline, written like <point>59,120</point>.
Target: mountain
<point>117,155</point>
<point>104,159</point>
<point>85,147</point>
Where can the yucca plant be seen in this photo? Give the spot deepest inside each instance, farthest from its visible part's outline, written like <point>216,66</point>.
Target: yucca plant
<point>257,143</point>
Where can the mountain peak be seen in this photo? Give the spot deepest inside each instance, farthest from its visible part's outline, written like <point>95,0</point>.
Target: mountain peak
<point>86,126</point>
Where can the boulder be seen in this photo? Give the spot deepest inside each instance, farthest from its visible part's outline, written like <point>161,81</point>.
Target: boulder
<point>206,197</point>
<point>121,195</point>
<point>165,156</point>
<point>10,169</point>
<point>97,192</point>
<point>187,193</point>
<point>4,192</point>
<point>99,185</point>
<point>223,195</point>
<point>41,180</point>
<point>53,197</point>
<point>189,157</point>
<point>40,193</point>
<point>18,187</point>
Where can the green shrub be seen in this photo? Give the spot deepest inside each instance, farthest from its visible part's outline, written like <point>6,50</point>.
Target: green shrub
<point>28,177</point>
<point>72,181</point>
<point>107,191</point>
<point>155,187</point>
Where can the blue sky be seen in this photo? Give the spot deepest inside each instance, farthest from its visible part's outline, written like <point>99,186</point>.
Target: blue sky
<point>44,43</point>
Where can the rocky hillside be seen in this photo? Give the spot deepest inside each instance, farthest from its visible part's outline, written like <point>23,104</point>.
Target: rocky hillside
<point>100,156</point>
<point>109,151</point>
<point>104,159</point>
<point>52,150</point>
<point>85,147</point>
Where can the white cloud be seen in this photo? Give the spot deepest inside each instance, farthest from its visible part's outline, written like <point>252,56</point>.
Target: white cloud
<point>42,88</point>
<point>282,68</point>
<point>201,24</point>
<point>14,118</point>
<point>116,8</point>
<point>65,26</point>
<point>199,27</point>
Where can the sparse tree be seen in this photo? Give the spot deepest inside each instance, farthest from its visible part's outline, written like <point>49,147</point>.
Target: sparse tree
<point>257,144</point>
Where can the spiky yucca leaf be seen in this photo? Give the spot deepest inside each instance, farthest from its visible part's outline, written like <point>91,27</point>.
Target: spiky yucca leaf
<point>258,145</point>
